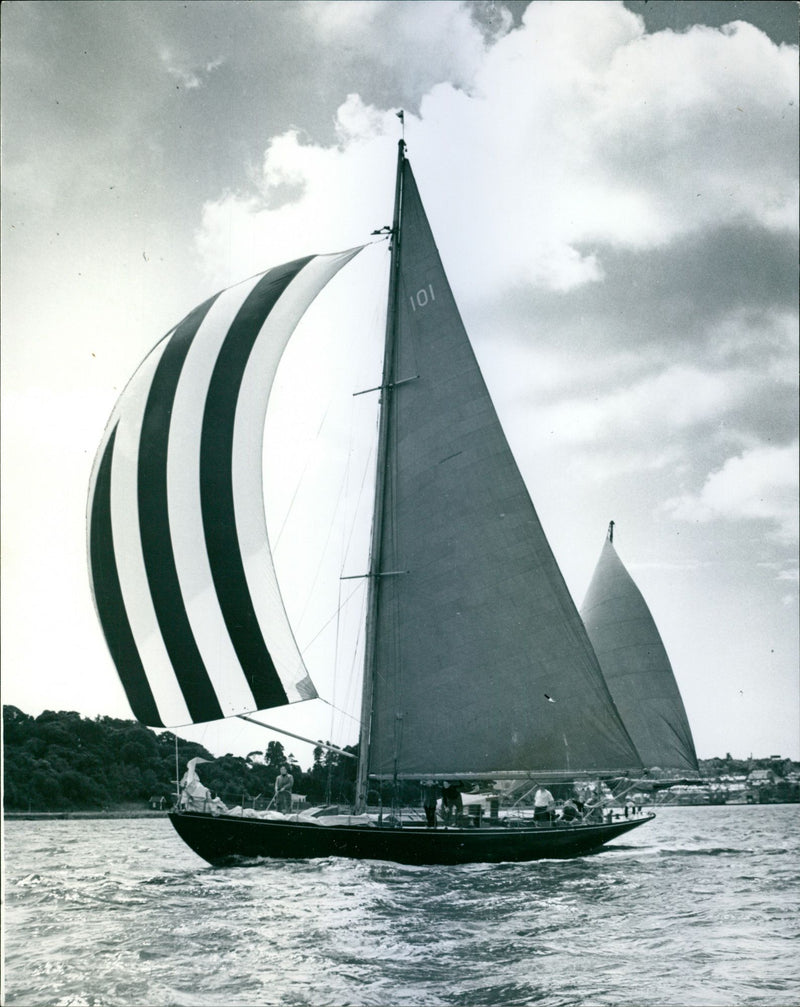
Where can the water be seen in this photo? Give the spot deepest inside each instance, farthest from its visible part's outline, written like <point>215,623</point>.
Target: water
<point>700,907</point>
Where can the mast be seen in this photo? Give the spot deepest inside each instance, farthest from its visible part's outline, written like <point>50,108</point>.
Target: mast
<point>380,490</point>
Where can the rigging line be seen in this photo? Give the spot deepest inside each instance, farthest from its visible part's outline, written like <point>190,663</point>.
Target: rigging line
<point>339,709</point>
<point>336,650</point>
<point>348,535</point>
<point>354,658</point>
<point>347,539</point>
<point>320,428</point>
<point>323,551</point>
<point>300,481</point>
<point>625,791</point>
<point>368,465</point>
<point>337,510</point>
<point>330,619</point>
<point>354,522</point>
<point>369,460</point>
<point>354,671</point>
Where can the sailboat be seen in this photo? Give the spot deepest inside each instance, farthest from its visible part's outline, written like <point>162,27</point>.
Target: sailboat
<point>477,665</point>
<point>637,669</point>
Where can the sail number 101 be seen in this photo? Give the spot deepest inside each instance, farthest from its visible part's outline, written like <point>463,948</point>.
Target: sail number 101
<point>422,297</point>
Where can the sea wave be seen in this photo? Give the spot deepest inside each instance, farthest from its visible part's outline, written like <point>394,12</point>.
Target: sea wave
<point>702,911</point>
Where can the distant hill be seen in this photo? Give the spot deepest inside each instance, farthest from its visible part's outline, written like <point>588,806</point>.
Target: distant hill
<point>63,762</point>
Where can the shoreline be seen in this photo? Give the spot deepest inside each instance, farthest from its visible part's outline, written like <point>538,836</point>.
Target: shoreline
<point>47,815</point>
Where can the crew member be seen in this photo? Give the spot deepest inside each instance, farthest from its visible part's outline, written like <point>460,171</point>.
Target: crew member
<point>452,804</point>
<point>283,790</point>
<point>430,794</point>
<point>543,805</point>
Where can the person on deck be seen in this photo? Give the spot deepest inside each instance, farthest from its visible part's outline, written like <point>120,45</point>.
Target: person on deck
<point>570,812</point>
<point>594,806</point>
<point>283,790</point>
<point>543,804</point>
<point>430,794</point>
<point>452,804</point>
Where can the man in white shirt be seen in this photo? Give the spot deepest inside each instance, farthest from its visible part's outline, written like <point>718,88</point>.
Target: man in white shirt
<point>543,805</point>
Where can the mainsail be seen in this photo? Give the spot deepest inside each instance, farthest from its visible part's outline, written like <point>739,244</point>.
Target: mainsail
<point>636,666</point>
<point>180,563</point>
<point>482,665</point>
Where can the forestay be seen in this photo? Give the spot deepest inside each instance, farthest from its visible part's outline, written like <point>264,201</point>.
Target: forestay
<point>482,662</point>
<point>636,666</point>
<point>180,563</point>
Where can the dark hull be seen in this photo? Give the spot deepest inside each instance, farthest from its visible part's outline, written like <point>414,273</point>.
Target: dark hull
<point>219,840</point>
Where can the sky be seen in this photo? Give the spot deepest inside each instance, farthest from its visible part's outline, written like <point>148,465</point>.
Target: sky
<point>614,192</point>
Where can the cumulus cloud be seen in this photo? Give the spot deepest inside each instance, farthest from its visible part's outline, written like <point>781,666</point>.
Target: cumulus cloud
<point>651,177</point>
<point>592,133</point>
<point>308,197</point>
<point>690,120</point>
<point>189,76</point>
<point>622,414</point>
<point>677,397</point>
<point>760,484</point>
<point>427,43</point>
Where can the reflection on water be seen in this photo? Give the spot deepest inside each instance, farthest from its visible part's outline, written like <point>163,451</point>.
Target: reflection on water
<point>702,908</point>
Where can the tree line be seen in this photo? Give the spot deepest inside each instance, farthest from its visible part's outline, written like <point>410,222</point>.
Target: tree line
<point>62,761</point>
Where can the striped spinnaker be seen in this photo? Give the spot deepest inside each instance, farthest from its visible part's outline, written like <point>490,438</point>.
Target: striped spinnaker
<point>179,558</point>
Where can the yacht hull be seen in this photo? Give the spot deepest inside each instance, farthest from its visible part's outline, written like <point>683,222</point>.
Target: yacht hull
<point>222,839</point>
